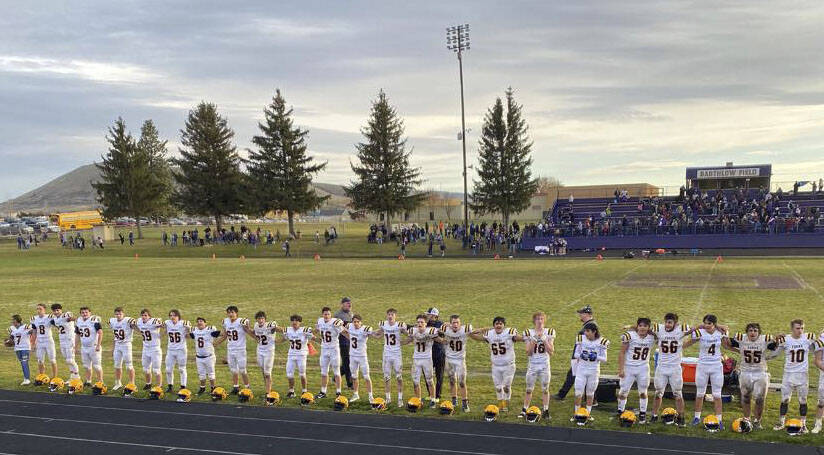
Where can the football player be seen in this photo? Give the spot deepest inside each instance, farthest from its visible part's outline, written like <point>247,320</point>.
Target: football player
<point>263,332</point>
<point>540,345</point>
<point>633,365</point>
<point>709,337</point>
<point>122,327</point>
<point>753,377</point>
<point>64,321</point>
<point>20,337</point>
<point>298,338</point>
<point>670,337</point>
<point>819,362</point>
<point>41,323</point>
<point>90,333</point>
<point>501,342</point>
<point>423,337</point>
<point>205,337</point>
<point>391,330</point>
<point>455,337</point>
<point>152,357</point>
<point>234,329</point>
<point>329,330</point>
<point>177,330</point>
<point>797,347</point>
<point>590,352</point>
<point>358,360</point>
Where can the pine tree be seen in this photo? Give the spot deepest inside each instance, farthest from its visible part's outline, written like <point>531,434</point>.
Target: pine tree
<point>208,171</point>
<point>506,184</point>
<point>156,174</point>
<point>280,170</point>
<point>386,183</point>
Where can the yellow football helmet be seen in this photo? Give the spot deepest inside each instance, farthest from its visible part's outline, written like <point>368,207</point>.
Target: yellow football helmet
<point>741,425</point>
<point>56,385</point>
<point>184,396</point>
<point>75,386</point>
<point>156,393</point>
<point>306,398</point>
<point>533,414</point>
<point>99,388</point>
<point>414,404</point>
<point>41,379</point>
<point>446,408</point>
<point>711,423</point>
<point>272,398</point>
<point>129,390</point>
<point>627,419</point>
<point>491,413</point>
<point>668,416</point>
<point>794,427</point>
<point>581,416</point>
<point>378,404</point>
<point>245,395</point>
<point>341,403</point>
<point>218,394</point>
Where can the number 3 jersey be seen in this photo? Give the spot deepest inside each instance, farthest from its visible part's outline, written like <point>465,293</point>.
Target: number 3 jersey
<point>501,346</point>
<point>669,344</point>
<point>177,332</point>
<point>392,337</point>
<point>753,352</point>
<point>358,339</point>
<point>796,351</point>
<point>539,354</point>
<point>150,332</point>
<point>638,349</point>
<point>298,341</point>
<point>456,341</point>
<point>204,340</point>
<point>709,346</point>
<point>122,330</point>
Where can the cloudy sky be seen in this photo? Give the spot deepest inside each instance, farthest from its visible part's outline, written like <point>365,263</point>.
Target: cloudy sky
<point>627,91</point>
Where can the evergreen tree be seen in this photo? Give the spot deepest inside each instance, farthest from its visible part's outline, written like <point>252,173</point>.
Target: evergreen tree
<point>208,171</point>
<point>134,179</point>
<point>506,184</point>
<point>386,183</point>
<point>280,170</point>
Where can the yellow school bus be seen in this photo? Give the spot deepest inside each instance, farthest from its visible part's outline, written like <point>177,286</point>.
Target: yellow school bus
<point>79,220</point>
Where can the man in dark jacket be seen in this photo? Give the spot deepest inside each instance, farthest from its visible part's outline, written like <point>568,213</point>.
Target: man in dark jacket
<point>585,314</point>
<point>438,353</point>
<point>345,315</point>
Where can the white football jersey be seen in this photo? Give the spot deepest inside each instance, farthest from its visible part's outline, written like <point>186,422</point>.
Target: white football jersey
<point>235,335</point>
<point>204,340</point>
<point>298,341</point>
<point>392,336</point>
<point>65,328</point>
<point>422,342</point>
<point>20,335</point>
<point>329,332</point>
<point>177,334</point>
<point>797,351</point>
<point>358,339</point>
<point>150,332</point>
<point>584,345</point>
<point>501,346</point>
<point>87,330</point>
<point>122,330</point>
<point>709,346</point>
<point>42,328</point>
<point>669,343</point>
<point>456,341</point>
<point>753,352</point>
<point>539,354</point>
<point>638,352</point>
<point>264,334</point>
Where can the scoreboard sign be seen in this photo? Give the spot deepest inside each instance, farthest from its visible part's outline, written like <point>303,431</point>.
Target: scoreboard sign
<point>722,173</point>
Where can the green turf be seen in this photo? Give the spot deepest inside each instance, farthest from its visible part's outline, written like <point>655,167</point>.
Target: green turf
<point>478,289</point>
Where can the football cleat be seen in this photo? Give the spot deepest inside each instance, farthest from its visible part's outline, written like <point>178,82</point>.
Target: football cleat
<point>491,413</point>
<point>272,398</point>
<point>56,385</point>
<point>41,379</point>
<point>156,393</point>
<point>668,416</point>
<point>627,419</point>
<point>446,408</point>
<point>414,404</point>
<point>129,390</point>
<point>184,396</point>
<point>741,425</point>
<point>378,404</point>
<point>245,395</point>
<point>533,414</point>
<point>794,427</point>
<point>581,416</point>
<point>711,423</point>
<point>320,395</point>
<point>306,398</point>
<point>75,386</point>
<point>695,421</point>
<point>99,388</point>
<point>341,403</point>
<point>218,394</point>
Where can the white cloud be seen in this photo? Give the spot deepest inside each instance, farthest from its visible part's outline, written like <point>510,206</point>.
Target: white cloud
<point>84,69</point>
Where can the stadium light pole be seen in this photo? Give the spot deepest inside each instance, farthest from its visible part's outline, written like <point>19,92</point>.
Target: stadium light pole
<point>457,40</point>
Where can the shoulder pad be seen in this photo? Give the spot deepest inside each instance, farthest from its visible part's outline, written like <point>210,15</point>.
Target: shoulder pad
<point>468,328</point>
<point>513,331</point>
<point>95,319</point>
<point>780,339</point>
<point>271,324</point>
<point>526,333</point>
<point>32,318</point>
<point>402,325</point>
<point>685,327</point>
<point>187,324</point>
<point>68,314</point>
<point>11,329</point>
<point>656,327</point>
<point>167,322</point>
<point>367,328</point>
<point>818,344</point>
<point>810,336</point>
<point>739,336</point>
<point>338,322</point>
<point>244,321</point>
<point>307,329</point>
<point>27,326</point>
<point>604,341</point>
<point>433,331</point>
<point>697,333</point>
<point>579,338</point>
<point>768,338</point>
<point>157,321</point>
<point>625,337</point>
<point>551,332</point>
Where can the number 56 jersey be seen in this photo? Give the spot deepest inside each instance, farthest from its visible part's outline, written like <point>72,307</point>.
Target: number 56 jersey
<point>669,344</point>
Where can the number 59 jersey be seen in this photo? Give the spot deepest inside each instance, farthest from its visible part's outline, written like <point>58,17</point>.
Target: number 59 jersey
<point>150,332</point>
<point>669,343</point>
<point>639,348</point>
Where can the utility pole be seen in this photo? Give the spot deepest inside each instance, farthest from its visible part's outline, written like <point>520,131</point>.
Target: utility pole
<point>457,40</point>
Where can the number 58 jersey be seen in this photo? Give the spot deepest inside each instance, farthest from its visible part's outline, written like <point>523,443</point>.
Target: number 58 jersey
<point>638,350</point>
<point>669,344</point>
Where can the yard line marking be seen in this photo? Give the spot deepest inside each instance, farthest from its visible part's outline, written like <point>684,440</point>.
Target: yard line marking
<point>704,291</point>
<point>368,427</point>
<point>804,284</point>
<point>602,287</point>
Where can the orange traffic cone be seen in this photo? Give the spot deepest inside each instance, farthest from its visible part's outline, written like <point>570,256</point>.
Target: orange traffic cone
<point>312,350</point>
<point>317,257</point>
<point>719,259</point>
<point>136,256</point>
<point>242,257</point>
<point>213,256</point>
<point>401,257</point>
<point>497,256</point>
<point>599,258</point>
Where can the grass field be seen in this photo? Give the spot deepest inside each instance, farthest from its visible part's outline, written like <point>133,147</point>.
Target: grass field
<point>770,291</point>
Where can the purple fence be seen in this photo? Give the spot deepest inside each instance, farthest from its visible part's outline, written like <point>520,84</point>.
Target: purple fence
<point>701,241</point>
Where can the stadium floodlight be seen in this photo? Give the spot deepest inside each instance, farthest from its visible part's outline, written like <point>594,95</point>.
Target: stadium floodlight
<point>457,40</point>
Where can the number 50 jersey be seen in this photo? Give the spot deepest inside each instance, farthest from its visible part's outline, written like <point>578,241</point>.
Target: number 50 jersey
<point>669,344</point>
